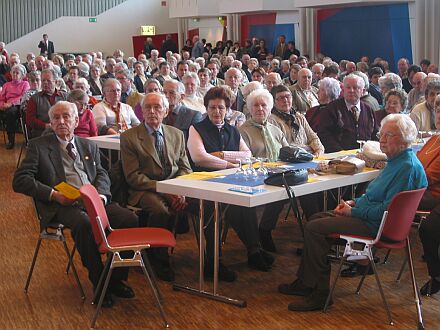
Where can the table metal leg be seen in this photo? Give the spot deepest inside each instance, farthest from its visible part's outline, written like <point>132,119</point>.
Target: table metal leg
<point>201,290</point>
<point>201,246</point>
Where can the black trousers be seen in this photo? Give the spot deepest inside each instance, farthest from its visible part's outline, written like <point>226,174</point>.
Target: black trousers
<point>242,219</point>
<point>11,116</point>
<point>430,233</point>
<point>77,220</point>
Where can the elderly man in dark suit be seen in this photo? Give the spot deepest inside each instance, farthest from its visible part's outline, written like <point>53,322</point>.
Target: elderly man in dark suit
<point>153,152</point>
<point>347,120</point>
<point>46,47</point>
<point>304,95</point>
<point>179,116</point>
<point>63,157</point>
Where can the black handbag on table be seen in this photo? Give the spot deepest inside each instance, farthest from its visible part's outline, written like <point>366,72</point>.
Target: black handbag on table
<point>278,177</point>
<point>293,154</point>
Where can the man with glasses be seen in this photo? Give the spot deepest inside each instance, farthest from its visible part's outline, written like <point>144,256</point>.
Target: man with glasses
<point>153,152</point>
<point>129,95</point>
<point>37,117</point>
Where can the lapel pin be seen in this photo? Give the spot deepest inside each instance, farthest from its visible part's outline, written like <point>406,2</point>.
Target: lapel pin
<point>86,157</point>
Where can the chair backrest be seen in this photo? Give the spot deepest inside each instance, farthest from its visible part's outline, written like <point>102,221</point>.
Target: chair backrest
<point>401,212</point>
<point>97,214</point>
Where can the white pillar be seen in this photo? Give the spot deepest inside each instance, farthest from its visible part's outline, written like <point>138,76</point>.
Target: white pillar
<point>229,25</point>
<point>180,38</point>
<point>307,27</point>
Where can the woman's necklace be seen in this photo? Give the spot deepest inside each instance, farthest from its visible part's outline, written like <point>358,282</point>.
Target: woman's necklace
<point>436,144</point>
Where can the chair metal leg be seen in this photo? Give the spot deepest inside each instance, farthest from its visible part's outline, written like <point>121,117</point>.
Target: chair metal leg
<point>358,289</point>
<point>156,293</point>
<point>31,270</point>
<point>334,284</point>
<point>415,289</point>
<point>101,278</point>
<point>225,231</point>
<point>288,212</point>
<point>101,298</point>
<point>20,154</point>
<point>69,257</point>
<point>72,253</point>
<point>376,275</point>
<point>386,257</point>
<point>196,230</point>
<point>152,274</point>
<point>402,268</point>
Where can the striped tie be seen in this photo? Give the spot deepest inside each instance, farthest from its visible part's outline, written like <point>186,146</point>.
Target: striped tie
<point>159,145</point>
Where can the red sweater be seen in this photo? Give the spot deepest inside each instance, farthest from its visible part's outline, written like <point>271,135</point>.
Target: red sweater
<point>87,125</point>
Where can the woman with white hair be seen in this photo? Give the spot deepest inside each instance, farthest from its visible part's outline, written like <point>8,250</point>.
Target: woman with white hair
<point>361,216</point>
<point>192,98</point>
<point>82,84</point>
<point>263,138</point>
<point>389,81</point>
<point>10,98</point>
<point>271,80</point>
<point>246,91</point>
<point>328,91</point>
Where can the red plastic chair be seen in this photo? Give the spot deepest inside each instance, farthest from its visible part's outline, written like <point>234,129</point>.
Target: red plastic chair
<point>113,241</point>
<point>392,234</point>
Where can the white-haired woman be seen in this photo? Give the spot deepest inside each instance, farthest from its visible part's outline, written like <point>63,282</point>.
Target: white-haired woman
<point>10,97</point>
<point>361,216</point>
<point>192,98</point>
<point>328,90</point>
<point>271,80</point>
<point>263,138</point>
<point>246,91</point>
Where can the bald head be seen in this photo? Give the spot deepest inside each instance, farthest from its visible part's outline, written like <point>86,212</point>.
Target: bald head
<point>418,81</point>
<point>305,78</point>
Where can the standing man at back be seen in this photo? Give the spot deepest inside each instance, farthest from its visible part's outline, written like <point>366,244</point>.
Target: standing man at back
<point>46,47</point>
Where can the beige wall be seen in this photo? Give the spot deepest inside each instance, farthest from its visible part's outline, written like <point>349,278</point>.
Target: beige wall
<point>114,30</point>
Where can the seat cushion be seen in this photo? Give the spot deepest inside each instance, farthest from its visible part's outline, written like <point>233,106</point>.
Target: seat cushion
<point>154,237</point>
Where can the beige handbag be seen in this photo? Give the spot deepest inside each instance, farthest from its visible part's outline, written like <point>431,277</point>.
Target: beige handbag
<point>348,165</point>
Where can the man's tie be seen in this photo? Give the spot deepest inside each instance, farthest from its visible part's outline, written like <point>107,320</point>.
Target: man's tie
<point>70,150</point>
<point>124,97</point>
<point>354,113</point>
<point>159,145</point>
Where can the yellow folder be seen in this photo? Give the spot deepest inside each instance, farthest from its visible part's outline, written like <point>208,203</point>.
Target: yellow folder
<point>68,190</point>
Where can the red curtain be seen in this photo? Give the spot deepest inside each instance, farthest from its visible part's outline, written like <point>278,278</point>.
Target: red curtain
<point>138,42</point>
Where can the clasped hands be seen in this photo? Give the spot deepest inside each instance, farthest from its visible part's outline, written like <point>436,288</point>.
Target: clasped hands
<point>344,208</point>
<point>177,203</point>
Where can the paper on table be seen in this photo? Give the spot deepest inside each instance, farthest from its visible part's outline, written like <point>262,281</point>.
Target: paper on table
<point>200,175</point>
<point>348,152</point>
<point>272,164</point>
<point>69,191</point>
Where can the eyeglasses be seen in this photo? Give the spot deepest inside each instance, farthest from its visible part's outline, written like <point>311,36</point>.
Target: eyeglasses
<point>283,97</point>
<point>386,135</point>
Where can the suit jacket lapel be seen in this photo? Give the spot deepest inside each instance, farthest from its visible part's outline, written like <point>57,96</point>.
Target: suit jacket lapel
<point>147,143</point>
<point>55,158</point>
<point>303,96</point>
<point>169,142</point>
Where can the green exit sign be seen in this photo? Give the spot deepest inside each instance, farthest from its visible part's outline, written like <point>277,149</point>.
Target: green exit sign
<point>93,20</point>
